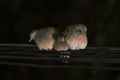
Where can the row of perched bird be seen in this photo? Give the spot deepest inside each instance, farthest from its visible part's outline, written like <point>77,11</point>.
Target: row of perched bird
<point>72,37</point>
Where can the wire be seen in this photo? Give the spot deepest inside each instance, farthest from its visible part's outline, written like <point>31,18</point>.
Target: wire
<point>29,52</point>
<point>57,66</point>
<point>103,60</point>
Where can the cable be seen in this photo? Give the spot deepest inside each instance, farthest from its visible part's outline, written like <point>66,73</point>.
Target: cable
<point>57,66</point>
<point>29,52</point>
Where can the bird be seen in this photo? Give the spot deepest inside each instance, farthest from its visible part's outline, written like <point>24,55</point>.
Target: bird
<point>60,44</point>
<point>43,38</point>
<point>76,36</point>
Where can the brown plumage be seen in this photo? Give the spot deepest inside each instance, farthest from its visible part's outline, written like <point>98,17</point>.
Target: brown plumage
<point>60,44</point>
<point>43,38</point>
<point>76,36</point>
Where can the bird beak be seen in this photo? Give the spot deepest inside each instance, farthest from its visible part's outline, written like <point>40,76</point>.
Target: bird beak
<point>30,39</point>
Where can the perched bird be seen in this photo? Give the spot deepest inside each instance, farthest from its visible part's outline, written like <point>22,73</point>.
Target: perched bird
<point>43,38</point>
<point>60,44</point>
<point>76,36</point>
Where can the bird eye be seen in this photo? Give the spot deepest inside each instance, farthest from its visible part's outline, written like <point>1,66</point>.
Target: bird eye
<point>80,31</point>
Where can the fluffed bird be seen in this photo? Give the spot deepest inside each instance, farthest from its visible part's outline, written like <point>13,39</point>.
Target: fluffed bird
<point>60,44</point>
<point>76,36</point>
<point>43,38</point>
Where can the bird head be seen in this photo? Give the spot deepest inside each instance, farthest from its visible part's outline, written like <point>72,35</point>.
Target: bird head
<point>61,38</point>
<point>33,35</point>
<point>81,28</point>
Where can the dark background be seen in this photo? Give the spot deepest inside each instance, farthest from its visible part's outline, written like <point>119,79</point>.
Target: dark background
<point>19,17</point>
